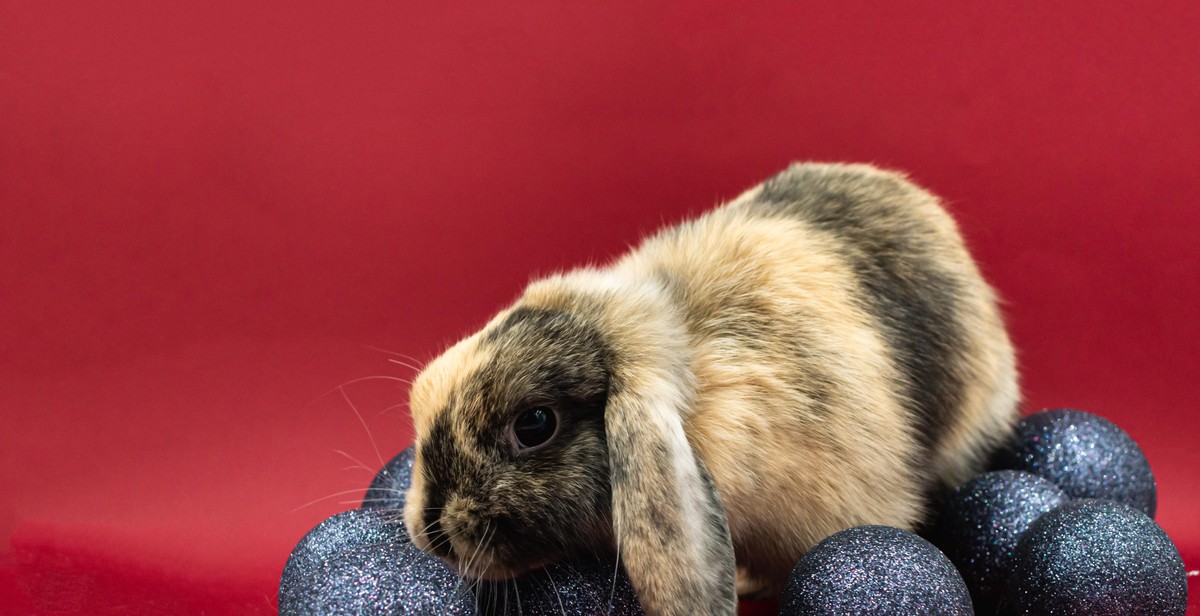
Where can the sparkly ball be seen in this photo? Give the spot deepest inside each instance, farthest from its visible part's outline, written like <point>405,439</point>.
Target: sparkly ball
<point>982,521</point>
<point>362,562</point>
<point>580,588</point>
<point>875,570</point>
<point>393,480</point>
<point>1096,558</point>
<point>1085,455</point>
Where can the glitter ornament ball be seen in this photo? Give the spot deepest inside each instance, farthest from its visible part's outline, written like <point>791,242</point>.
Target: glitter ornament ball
<point>982,521</point>
<point>393,480</point>
<point>875,570</point>
<point>362,562</point>
<point>582,588</point>
<point>1085,455</point>
<point>1096,558</point>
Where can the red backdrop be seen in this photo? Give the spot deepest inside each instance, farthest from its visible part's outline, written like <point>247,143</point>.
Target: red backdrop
<point>216,212</point>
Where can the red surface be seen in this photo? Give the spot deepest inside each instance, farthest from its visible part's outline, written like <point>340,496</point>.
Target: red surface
<point>212,210</point>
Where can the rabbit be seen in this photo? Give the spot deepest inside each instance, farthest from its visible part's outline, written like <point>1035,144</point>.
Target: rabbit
<point>819,353</point>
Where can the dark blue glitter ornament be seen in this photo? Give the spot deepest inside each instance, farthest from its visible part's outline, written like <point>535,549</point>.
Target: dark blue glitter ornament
<point>982,521</point>
<point>1096,558</point>
<point>362,562</point>
<point>875,570</point>
<point>1085,455</point>
<point>581,588</point>
<point>393,480</point>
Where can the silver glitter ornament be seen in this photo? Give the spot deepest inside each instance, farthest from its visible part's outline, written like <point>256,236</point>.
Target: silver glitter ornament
<point>583,589</point>
<point>362,562</point>
<point>1084,454</point>
<point>875,571</point>
<point>1096,558</point>
<point>982,521</point>
<point>393,480</point>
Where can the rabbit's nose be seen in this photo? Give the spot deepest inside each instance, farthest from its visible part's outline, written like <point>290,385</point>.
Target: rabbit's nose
<point>461,517</point>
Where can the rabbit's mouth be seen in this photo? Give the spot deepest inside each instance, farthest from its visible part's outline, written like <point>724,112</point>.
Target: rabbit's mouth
<point>476,547</point>
<point>491,569</point>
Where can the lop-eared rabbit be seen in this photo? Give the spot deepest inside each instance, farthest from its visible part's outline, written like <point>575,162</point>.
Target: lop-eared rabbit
<point>819,353</point>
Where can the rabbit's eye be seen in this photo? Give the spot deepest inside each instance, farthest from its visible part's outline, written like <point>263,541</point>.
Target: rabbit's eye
<point>534,427</point>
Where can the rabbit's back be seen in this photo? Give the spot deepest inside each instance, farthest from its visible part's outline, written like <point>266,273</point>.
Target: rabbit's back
<point>918,282</point>
<point>849,358</point>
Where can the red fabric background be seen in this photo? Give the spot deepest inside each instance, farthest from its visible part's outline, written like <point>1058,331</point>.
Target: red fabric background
<point>214,212</point>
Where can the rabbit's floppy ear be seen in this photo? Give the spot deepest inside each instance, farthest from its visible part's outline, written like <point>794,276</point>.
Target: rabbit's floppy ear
<point>668,520</point>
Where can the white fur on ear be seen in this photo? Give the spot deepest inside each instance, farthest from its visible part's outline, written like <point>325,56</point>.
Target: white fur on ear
<point>667,516</point>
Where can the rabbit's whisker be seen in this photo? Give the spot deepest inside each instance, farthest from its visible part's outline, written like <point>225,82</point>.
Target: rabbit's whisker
<point>367,428</point>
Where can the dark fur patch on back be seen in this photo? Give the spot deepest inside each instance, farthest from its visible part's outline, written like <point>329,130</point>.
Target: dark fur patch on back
<point>894,254</point>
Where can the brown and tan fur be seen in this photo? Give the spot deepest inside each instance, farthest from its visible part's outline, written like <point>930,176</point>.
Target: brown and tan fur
<point>822,350</point>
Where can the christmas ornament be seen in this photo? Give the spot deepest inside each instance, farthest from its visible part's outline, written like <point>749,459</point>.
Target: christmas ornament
<point>875,570</point>
<point>1096,558</point>
<point>1084,454</point>
<point>982,521</point>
